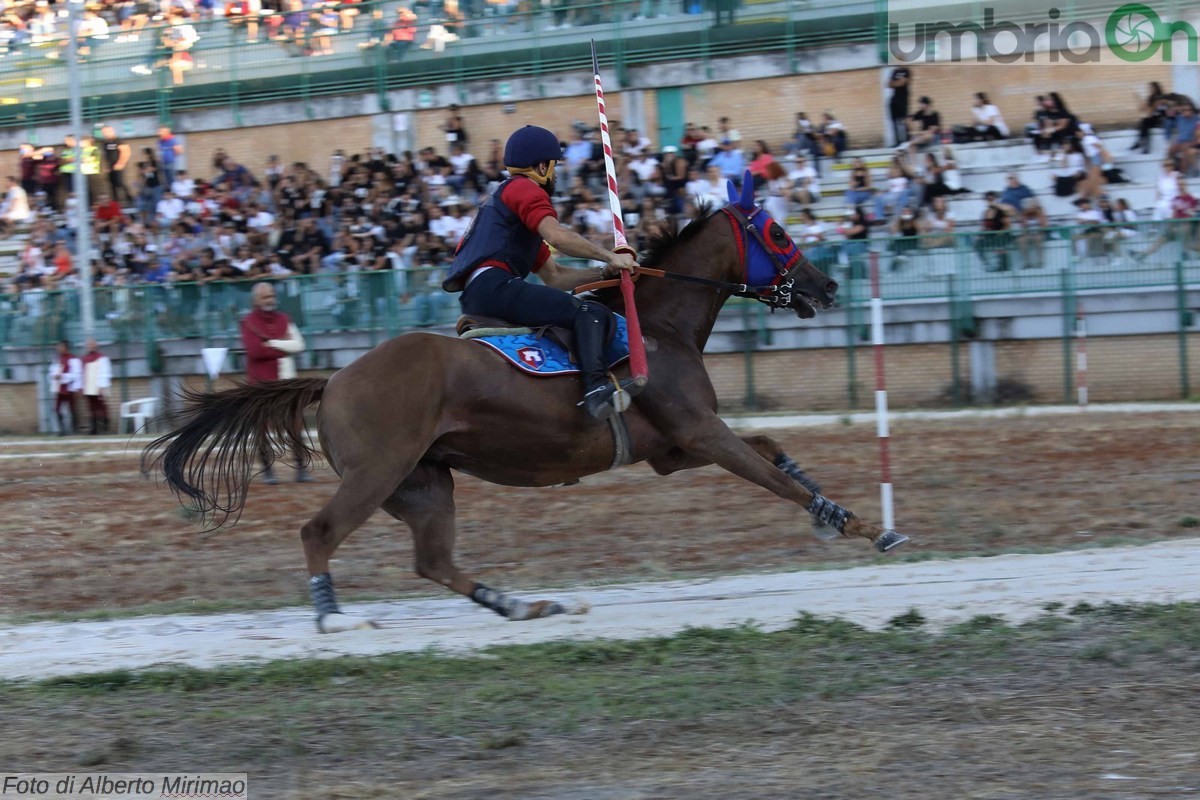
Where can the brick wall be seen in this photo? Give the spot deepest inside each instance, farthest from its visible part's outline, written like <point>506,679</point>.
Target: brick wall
<point>1124,368</point>
<point>310,142</point>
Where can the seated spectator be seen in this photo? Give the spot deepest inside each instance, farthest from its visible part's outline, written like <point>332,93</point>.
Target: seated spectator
<point>689,143</point>
<point>1015,193</point>
<point>855,229</point>
<point>760,161</point>
<point>633,144</point>
<point>802,135</point>
<point>674,171</point>
<point>831,138</point>
<point>861,190</point>
<point>14,209</point>
<point>924,127</point>
<point>1181,145</point>
<point>812,239</point>
<point>989,125</point>
<point>1088,235</point>
<point>937,227</point>
<point>1154,111</point>
<point>709,189</point>
<point>169,208</point>
<point>731,163</point>
<point>806,184</point>
<point>183,186</point>
<point>898,193</point>
<point>905,229</point>
<point>1183,222</point>
<point>993,242</point>
<point>1031,240</point>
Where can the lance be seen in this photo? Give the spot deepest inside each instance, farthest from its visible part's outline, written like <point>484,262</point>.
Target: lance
<point>637,348</point>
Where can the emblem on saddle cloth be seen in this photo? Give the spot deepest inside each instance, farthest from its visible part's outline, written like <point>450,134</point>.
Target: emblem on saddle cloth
<point>543,355</point>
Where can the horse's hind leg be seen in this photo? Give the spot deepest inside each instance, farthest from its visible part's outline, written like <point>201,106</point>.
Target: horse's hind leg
<point>356,499</point>
<point>425,502</point>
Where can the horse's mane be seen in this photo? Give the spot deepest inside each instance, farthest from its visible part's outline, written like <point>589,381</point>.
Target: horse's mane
<point>667,237</point>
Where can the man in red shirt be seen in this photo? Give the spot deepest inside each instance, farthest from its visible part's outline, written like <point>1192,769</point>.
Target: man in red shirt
<point>271,340</point>
<point>508,240</point>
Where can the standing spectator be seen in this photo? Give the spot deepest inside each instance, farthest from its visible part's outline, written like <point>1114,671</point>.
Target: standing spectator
<point>169,151</point>
<point>66,375</point>
<point>1183,221</point>
<point>47,175</point>
<point>271,341</point>
<point>855,229</point>
<point>97,378</point>
<point>116,155</point>
<point>67,167</point>
<point>91,165</point>
<point>899,82</point>
<point>455,130</point>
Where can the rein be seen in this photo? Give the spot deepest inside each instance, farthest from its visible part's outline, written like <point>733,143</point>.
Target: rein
<point>776,295</point>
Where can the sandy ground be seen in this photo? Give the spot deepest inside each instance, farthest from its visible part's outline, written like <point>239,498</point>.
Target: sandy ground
<point>1016,587</point>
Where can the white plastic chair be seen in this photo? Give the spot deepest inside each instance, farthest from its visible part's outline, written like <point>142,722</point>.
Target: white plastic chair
<point>140,411</point>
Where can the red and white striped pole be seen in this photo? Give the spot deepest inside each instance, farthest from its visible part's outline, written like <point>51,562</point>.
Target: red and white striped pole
<point>637,349</point>
<point>881,403</point>
<point>1081,385</point>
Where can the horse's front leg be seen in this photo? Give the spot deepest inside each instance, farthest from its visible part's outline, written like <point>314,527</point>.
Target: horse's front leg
<point>712,441</point>
<point>676,459</point>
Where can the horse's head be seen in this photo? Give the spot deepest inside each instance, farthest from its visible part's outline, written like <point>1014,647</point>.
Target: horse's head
<point>772,264</point>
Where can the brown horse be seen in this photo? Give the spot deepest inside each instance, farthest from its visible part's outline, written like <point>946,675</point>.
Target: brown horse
<point>397,422</point>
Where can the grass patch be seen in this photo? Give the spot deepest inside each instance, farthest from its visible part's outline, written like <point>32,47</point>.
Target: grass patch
<point>503,693</point>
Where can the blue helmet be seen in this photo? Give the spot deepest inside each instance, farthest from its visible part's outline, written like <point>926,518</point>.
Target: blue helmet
<point>530,146</point>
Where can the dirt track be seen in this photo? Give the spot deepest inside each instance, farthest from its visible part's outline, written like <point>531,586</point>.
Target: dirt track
<point>1017,587</point>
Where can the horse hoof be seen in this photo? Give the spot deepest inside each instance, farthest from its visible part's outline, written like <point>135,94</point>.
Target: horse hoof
<point>536,610</point>
<point>889,540</point>
<point>339,623</point>
<point>826,533</point>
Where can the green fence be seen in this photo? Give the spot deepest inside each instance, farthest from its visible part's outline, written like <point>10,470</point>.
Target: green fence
<point>953,273</point>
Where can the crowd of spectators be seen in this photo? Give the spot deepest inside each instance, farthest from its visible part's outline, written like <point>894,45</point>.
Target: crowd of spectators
<point>171,29</point>
<point>405,213</point>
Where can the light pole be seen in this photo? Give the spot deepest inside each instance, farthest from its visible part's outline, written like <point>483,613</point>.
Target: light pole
<point>83,229</point>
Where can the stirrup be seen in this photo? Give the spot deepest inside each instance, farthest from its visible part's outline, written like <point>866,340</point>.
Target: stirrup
<point>598,401</point>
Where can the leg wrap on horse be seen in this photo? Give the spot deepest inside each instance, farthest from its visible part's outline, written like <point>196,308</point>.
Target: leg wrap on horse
<point>320,589</point>
<point>499,602</point>
<point>827,512</point>
<point>794,472</point>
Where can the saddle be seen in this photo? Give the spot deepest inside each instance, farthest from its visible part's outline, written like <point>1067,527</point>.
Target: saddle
<point>475,327</point>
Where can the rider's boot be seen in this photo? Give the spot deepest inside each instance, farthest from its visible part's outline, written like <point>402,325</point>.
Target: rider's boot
<point>591,334</point>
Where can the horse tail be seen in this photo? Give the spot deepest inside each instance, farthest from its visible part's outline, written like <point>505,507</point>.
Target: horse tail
<point>211,455</point>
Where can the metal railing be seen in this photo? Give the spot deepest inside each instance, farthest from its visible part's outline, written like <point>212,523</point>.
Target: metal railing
<point>955,271</point>
<point>123,77</point>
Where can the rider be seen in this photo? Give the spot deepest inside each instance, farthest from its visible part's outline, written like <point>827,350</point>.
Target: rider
<point>508,239</point>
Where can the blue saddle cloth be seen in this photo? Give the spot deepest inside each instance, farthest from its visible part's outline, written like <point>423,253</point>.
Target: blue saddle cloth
<point>544,356</point>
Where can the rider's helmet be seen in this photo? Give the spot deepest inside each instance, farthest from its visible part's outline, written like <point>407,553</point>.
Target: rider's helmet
<point>530,146</point>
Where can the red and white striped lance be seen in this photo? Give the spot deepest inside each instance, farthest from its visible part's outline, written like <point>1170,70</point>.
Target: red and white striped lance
<point>610,167</point>
<point>881,402</point>
<point>637,348</point>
